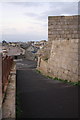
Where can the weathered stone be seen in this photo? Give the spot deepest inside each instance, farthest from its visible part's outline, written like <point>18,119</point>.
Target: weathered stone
<point>8,111</point>
<point>0,86</point>
<point>64,49</point>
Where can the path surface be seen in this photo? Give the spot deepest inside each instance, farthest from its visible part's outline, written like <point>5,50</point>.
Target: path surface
<point>42,97</point>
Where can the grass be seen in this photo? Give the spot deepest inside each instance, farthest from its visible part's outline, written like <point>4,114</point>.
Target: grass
<point>38,71</point>
<point>65,81</point>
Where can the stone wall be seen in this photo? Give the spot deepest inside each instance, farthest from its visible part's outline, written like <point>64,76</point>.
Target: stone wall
<point>0,86</point>
<point>63,62</point>
<point>42,66</point>
<point>79,46</point>
<point>62,27</point>
<point>64,58</point>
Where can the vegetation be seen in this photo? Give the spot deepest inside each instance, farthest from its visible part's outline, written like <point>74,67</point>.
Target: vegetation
<point>65,81</point>
<point>38,71</point>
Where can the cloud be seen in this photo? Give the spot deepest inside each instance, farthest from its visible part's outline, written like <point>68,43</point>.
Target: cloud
<point>65,14</point>
<point>31,14</point>
<point>26,4</point>
<point>29,20</point>
<point>57,9</point>
<point>54,9</point>
<point>38,0</point>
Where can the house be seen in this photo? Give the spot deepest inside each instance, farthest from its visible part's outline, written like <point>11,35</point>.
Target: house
<point>30,52</point>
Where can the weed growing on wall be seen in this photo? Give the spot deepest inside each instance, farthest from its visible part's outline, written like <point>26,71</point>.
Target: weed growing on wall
<point>65,81</point>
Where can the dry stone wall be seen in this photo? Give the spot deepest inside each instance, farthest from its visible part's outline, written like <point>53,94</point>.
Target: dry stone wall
<point>64,60</point>
<point>0,86</point>
<point>62,27</point>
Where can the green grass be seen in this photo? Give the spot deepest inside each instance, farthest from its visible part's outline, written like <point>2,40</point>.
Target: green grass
<point>65,81</point>
<point>38,71</point>
<point>49,77</point>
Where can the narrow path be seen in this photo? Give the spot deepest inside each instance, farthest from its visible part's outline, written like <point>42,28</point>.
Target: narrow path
<point>42,97</point>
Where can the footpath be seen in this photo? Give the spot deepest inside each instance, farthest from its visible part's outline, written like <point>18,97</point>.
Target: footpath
<point>8,106</point>
<point>42,97</point>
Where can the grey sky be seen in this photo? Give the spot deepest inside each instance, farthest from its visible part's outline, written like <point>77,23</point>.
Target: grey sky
<point>23,21</point>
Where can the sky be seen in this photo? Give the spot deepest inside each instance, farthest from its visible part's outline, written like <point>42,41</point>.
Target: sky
<point>27,21</point>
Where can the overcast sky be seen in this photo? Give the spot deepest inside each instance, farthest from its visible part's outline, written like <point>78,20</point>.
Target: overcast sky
<point>23,21</point>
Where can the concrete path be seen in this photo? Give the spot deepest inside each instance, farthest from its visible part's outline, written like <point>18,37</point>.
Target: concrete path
<point>42,97</point>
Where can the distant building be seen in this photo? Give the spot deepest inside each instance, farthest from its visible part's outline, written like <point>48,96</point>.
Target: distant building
<point>30,52</point>
<point>40,44</point>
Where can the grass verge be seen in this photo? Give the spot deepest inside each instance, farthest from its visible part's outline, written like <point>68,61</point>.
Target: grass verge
<point>65,81</point>
<point>55,78</point>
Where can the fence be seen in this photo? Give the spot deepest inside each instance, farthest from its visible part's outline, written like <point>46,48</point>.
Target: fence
<point>6,68</point>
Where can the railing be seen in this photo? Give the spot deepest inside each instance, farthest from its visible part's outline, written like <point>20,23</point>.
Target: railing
<point>6,68</point>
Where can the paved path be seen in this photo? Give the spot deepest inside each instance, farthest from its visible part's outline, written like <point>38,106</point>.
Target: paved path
<point>42,97</point>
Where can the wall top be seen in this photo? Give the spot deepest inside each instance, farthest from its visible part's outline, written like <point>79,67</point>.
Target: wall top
<point>63,17</point>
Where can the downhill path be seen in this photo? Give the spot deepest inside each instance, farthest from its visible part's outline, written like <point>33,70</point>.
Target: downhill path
<point>42,97</point>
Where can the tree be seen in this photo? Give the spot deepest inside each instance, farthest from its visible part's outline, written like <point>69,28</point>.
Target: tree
<point>4,41</point>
